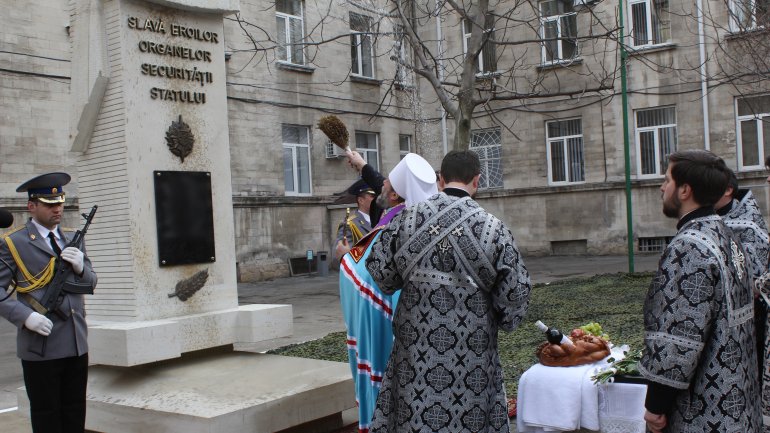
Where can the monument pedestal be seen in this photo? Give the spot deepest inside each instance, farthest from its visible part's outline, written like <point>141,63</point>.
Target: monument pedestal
<point>126,344</point>
<point>232,392</point>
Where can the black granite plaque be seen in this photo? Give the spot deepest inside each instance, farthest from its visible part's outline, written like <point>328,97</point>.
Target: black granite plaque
<point>184,216</point>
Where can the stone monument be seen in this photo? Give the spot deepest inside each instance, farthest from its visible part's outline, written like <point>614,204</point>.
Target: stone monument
<point>150,125</point>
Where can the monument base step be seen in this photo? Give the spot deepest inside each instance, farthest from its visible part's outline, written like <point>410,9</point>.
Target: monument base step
<point>231,392</point>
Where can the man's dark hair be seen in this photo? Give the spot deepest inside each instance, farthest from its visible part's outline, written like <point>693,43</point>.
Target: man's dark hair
<point>732,182</point>
<point>705,172</point>
<point>460,166</point>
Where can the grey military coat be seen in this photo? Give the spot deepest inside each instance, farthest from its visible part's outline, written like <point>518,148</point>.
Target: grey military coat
<point>68,338</point>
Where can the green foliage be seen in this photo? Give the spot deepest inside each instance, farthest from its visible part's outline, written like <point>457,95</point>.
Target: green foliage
<point>614,301</point>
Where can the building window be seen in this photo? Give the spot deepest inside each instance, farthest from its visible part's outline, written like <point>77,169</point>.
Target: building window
<point>753,133</point>
<point>650,22</point>
<point>749,14</point>
<point>368,144</point>
<point>655,140</point>
<point>654,245</point>
<point>404,144</point>
<point>558,27</point>
<point>487,61</point>
<point>289,21</point>
<point>565,151</point>
<point>487,144</point>
<point>361,48</point>
<point>296,159</point>
<point>403,76</point>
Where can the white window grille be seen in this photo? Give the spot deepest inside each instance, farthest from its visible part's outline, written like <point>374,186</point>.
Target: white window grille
<point>487,60</point>
<point>368,144</point>
<point>290,24</point>
<point>361,47</point>
<point>650,22</point>
<point>749,14</point>
<point>558,28</point>
<point>487,143</point>
<point>753,131</point>
<point>404,144</point>
<point>564,147</point>
<point>653,245</point>
<point>296,159</point>
<point>655,140</point>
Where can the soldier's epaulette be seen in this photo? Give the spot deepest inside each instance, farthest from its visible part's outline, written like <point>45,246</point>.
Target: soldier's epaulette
<point>12,230</point>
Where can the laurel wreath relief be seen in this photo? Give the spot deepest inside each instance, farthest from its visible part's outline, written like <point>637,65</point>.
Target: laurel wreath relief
<point>180,139</point>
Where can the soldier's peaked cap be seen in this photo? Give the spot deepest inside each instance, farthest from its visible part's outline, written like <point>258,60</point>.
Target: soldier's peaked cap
<point>47,187</point>
<point>360,187</point>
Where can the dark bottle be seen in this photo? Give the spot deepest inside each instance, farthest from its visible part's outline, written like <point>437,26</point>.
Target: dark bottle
<point>553,335</point>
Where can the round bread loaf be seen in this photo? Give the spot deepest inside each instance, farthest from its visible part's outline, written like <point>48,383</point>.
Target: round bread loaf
<point>588,349</point>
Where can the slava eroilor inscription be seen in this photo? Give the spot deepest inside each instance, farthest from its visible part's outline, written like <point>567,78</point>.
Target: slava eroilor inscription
<point>176,51</point>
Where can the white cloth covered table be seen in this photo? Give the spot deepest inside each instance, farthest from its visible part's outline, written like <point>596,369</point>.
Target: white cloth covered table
<point>558,399</point>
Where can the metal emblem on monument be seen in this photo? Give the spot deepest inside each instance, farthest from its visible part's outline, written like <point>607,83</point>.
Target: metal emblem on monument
<point>180,139</point>
<point>187,287</point>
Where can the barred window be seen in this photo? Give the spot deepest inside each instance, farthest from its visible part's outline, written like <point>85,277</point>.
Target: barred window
<point>564,141</point>
<point>655,140</point>
<point>650,22</point>
<point>487,143</point>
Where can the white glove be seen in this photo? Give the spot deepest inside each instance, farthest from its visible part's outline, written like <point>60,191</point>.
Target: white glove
<point>38,323</point>
<point>75,257</point>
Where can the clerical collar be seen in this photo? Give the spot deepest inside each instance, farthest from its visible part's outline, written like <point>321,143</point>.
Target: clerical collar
<point>456,192</point>
<point>697,213</point>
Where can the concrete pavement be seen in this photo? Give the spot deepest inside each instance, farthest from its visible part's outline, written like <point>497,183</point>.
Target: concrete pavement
<point>316,311</point>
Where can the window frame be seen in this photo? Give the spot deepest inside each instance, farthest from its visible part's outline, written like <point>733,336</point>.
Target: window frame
<point>484,160</point>
<point>559,57</point>
<point>567,165</point>
<point>403,77</point>
<point>762,141</point>
<point>649,24</point>
<point>754,24</point>
<point>638,131</point>
<point>401,152</point>
<point>294,147</point>
<point>287,33</point>
<point>490,42</point>
<point>366,153</point>
<point>359,37</point>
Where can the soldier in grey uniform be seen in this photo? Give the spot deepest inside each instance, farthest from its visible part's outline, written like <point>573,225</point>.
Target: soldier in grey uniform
<point>358,223</point>
<point>55,372</point>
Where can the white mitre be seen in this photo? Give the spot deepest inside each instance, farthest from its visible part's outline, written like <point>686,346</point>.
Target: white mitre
<point>413,179</point>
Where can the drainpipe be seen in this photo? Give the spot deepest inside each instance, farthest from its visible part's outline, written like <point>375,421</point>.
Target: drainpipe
<point>626,145</point>
<point>439,54</point>
<point>703,76</point>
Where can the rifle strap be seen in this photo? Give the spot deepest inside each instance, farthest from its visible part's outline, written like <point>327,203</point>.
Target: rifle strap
<point>37,306</point>
<point>32,282</point>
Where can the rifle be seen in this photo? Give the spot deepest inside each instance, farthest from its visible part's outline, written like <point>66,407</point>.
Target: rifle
<point>59,286</point>
<point>53,295</point>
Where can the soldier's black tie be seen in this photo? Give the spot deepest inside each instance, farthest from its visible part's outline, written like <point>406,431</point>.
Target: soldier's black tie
<point>54,244</point>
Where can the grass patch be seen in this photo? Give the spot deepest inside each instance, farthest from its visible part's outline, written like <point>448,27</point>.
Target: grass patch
<point>614,300</point>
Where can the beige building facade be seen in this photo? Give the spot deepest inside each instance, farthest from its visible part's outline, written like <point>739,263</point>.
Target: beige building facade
<point>554,157</point>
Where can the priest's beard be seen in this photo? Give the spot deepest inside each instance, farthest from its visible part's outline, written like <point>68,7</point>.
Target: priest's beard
<point>672,207</point>
<point>382,200</point>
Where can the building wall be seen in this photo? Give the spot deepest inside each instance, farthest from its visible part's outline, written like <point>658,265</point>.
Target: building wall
<point>271,226</point>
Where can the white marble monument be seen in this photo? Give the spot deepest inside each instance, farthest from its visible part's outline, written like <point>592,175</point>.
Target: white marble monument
<point>148,77</point>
